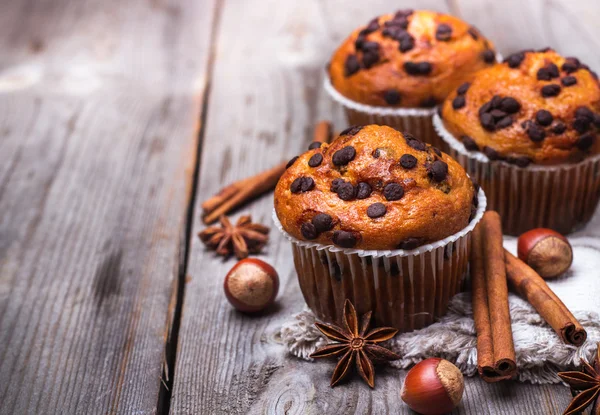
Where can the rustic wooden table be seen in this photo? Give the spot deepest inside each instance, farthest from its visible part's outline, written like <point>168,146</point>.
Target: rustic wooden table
<point>117,118</point>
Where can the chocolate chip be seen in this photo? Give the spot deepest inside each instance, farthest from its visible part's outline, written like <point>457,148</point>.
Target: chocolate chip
<point>344,239</point>
<point>410,243</point>
<point>585,141</point>
<point>308,230</point>
<point>519,161</point>
<point>535,133</point>
<point>437,151</point>
<point>428,102</point>
<point>322,222</point>
<point>372,26</point>
<point>443,32</point>
<point>315,160</point>
<point>292,161</point>
<point>351,65</point>
<point>568,80</point>
<point>391,96</point>
<point>550,90</point>
<point>438,170</point>
<point>584,113</point>
<point>335,184</point>
<point>581,125</point>
<point>571,65</point>
<point>553,70</point>
<point>406,43</point>
<point>352,130</point>
<point>488,56</point>
<point>491,153</point>
<point>487,121</point>
<point>543,117</point>
<point>514,60</point>
<point>408,161</point>
<point>363,190</point>
<point>496,101</point>
<point>346,191</point>
<point>543,74</point>
<point>376,210</point>
<point>559,128</point>
<point>497,114</point>
<point>302,184</point>
<point>344,156</point>
<point>487,107</point>
<point>469,143</point>
<point>315,144</point>
<point>473,32</point>
<point>461,90</point>
<point>370,57</point>
<point>360,40</point>
<point>370,46</point>
<point>415,143</point>
<point>393,191</point>
<point>417,68</point>
<point>459,102</point>
<point>404,13</point>
<point>548,72</point>
<point>504,122</point>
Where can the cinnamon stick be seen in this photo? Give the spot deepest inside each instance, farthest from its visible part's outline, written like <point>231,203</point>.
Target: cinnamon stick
<point>495,347</point>
<point>238,193</point>
<point>531,286</point>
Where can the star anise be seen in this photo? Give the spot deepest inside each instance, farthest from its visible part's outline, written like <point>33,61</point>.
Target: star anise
<point>587,382</point>
<point>354,345</point>
<point>243,238</point>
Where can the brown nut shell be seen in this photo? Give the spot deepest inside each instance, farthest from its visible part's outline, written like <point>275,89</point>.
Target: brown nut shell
<point>546,251</point>
<point>251,285</point>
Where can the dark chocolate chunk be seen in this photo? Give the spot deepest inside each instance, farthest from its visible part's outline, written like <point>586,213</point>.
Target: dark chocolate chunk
<point>417,68</point>
<point>438,170</point>
<point>584,113</point>
<point>535,133</point>
<point>315,144</point>
<point>408,161</point>
<point>504,122</point>
<point>352,130</point>
<point>363,190</point>
<point>292,161</point>
<point>335,184</point>
<point>559,128</point>
<point>487,121</point>
<point>459,102</point>
<point>569,80</point>
<point>514,60</point>
<point>571,65</point>
<point>344,239</point>
<point>406,43</point>
<point>372,26</point>
<point>581,125</point>
<point>437,151</point>
<point>487,107</point>
<point>461,90</point>
<point>496,101</point>
<point>392,97</point>
<point>370,57</point>
<point>543,74</point>
<point>497,114</point>
<point>428,102</point>
<point>376,210</point>
<point>443,32</point>
<point>344,156</point>
<point>469,143</point>
<point>393,191</point>
<point>360,40</point>
<point>585,141</point>
<point>488,56</point>
<point>351,66</point>
<point>404,13</point>
<point>322,222</point>
<point>553,70</point>
<point>491,153</point>
<point>315,160</point>
<point>415,143</point>
<point>346,191</point>
<point>410,243</point>
<point>543,117</point>
<point>370,46</point>
<point>519,161</point>
<point>308,230</point>
<point>550,90</point>
<point>302,184</point>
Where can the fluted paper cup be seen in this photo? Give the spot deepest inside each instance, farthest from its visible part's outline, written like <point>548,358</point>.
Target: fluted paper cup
<point>405,289</point>
<point>563,197</point>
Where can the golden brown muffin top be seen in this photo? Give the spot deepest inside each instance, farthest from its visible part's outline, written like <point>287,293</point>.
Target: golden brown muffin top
<point>408,59</point>
<point>374,188</point>
<point>535,107</point>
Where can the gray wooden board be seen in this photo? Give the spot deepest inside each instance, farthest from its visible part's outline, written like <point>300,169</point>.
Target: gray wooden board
<point>265,96</point>
<point>99,104</point>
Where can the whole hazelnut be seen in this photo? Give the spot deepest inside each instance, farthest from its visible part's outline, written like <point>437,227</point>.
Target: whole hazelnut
<point>433,387</point>
<point>546,251</point>
<point>251,285</point>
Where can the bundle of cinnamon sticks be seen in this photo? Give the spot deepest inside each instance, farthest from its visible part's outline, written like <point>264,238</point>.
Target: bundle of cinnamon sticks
<point>242,191</point>
<point>493,270</point>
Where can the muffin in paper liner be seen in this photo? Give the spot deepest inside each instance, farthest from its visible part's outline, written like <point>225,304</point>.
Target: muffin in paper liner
<point>416,121</point>
<point>562,197</point>
<point>407,290</point>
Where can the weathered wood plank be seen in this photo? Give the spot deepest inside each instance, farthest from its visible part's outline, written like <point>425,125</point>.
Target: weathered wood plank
<point>265,96</point>
<point>99,104</point>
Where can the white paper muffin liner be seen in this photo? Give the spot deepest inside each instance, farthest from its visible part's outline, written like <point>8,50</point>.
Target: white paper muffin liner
<point>406,289</point>
<point>561,197</point>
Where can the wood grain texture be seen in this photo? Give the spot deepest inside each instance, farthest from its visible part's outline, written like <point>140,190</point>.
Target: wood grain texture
<point>99,103</point>
<point>266,95</point>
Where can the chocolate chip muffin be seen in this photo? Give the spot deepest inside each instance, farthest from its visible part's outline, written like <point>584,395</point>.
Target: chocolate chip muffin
<point>407,60</point>
<point>375,194</point>
<point>527,129</point>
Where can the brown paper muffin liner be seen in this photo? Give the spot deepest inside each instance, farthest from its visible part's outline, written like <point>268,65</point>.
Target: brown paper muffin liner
<point>562,197</point>
<point>407,290</point>
<point>416,121</point>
